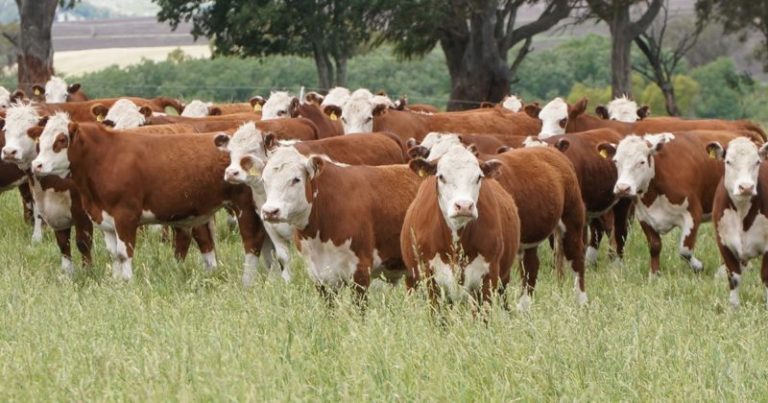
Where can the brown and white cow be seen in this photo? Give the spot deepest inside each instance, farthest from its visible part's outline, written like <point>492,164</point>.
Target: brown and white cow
<point>12,177</point>
<point>56,201</point>
<point>673,182</point>
<point>96,110</point>
<point>56,90</point>
<point>623,109</point>
<point>347,230</point>
<point>326,127</point>
<point>198,108</point>
<point>461,232</point>
<point>741,210</point>
<point>127,179</point>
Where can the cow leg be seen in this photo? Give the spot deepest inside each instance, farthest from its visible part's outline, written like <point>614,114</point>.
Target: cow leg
<point>596,235</point>
<point>654,246</point>
<point>573,248</point>
<point>251,232</point>
<point>125,243</point>
<point>764,276</point>
<point>37,231</point>
<point>734,267</point>
<point>529,273</point>
<point>181,241</point>
<point>110,239</point>
<point>28,202</point>
<point>688,240</point>
<point>490,283</point>
<point>362,279</point>
<point>62,240</point>
<point>84,237</point>
<point>621,225</point>
<point>203,235</point>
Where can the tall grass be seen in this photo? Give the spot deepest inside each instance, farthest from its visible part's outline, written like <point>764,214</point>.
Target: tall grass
<point>176,333</point>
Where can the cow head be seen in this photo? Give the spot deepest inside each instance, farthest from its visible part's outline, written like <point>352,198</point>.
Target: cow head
<point>196,109</point>
<point>287,182</point>
<point>247,154</point>
<point>124,114</point>
<point>5,98</point>
<point>360,109</point>
<point>56,90</point>
<point>55,138</point>
<point>20,148</point>
<point>257,103</point>
<point>437,144</point>
<point>555,115</point>
<point>622,109</point>
<point>742,165</point>
<point>459,176</point>
<point>278,106</point>
<point>337,96</point>
<point>634,160</point>
<point>512,103</point>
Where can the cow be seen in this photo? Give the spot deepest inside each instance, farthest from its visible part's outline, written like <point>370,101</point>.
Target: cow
<point>56,90</point>
<point>127,179</point>
<point>546,190</point>
<point>461,232</point>
<point>197,109</point>
<point>673,183</point>
<point>12,177</point>
<point>623,109</point>
<point>440,142</point>
<point>597,177</point>
<point>56,201</point>
<point>5,98</point>
<point>345,230</point>
<point>278,105</point>
<point>740,211</point>
<point>403,105</point>
<point>96,110</point>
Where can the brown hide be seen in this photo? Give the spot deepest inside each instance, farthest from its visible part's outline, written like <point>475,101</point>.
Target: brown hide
<point>325,126</point>
<point>357,149</point>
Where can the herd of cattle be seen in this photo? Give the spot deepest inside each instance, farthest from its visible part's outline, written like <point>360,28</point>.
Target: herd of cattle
<point>367,187</point>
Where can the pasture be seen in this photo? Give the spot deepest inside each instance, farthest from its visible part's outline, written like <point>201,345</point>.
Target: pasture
<point>177,333</point>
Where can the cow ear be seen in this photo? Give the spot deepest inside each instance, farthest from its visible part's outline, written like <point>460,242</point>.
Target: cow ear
<point>313,97</point>
<point>99,111</point>
<point>72,127</point>
<point>257,102</point>
<point>644,111</point>
<point>473,149</point>
<point>716,151</point>
<point>379,109</point>
<point>762,151</point>
<point>484,105</point>
<point>491,168</point>
<point>382,93</point>
<point>333,112</point>
<point>293,108</point>
<point>533,110</point>
<point>401,104</point>
<point>562,144</point>
<point>578,108</point>
<point>38,90</point>
<point>214,111</point>
<point>108,123</point>
<point>418,151</point>
<point>503,149</point>
<point>2,123</point>
<point>221,140</point>
<point>422,167</point>
<point>315,165</point>
<point>146,111</point>
<point>602,112</point>
<point>606,150</point>
<point>73,88</point>
<point>34,132</point>
<point>42,121</point>
<point>410,143</point>
<point>17,95</point>
<point>270,141</point>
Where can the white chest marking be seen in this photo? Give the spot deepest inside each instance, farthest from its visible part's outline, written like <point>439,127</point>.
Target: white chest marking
<point>55,207</point>
<point>328,264</point>
<point>662,215</point>
<point>474,272</point>
<point>747,244</point>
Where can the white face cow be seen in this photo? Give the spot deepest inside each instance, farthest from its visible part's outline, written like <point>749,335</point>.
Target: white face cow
<point>286,181</point>
<point>438,144</point>
<point>20,148</point>
<point>52,158</point>
<point>56,90</point>
<point>337,96</point>
<point>5,98</point>
<point>623,110</point>
<point>634,162</point>
<point>124,114</point>
<point>512,103</point>
<point>278,106</point>
<point>742,165</point>
<point>554,117</point>
<point>196,109</point>
<point>358,112</point>
<point>459,177</point>
<point>247,154</point>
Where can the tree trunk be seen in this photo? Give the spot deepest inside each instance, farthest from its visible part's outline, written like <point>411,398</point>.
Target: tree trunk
<point>621,63</point>
<point>324,68</point>
<point>35,58</point>
<point>478,70</point>
<point>670,101</point>
<point>341,71</point>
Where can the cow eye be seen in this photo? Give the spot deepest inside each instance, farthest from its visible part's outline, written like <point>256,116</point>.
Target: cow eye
<point>441,178</point>
<point>343,119</point>
<point>280,113</point>
<point>370,118</point>
<point>758,162</point>
<point>479,178</point>
<point>642,162</point>
<point>727,162</point>
<point>295,180</point>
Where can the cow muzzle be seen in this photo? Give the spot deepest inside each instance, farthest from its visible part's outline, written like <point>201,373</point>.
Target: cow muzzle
<point>463,209</point>
<point>270,214</point>
<point>622,190</point>
<point>10,154</point>
<point>234,176</point>
<point>746,189</point>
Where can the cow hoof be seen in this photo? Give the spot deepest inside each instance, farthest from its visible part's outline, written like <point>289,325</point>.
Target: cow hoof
<point>581,298</point>
<point>696,265</point>
<point>591,256</point>
<point>524,304</point>
<point>733,299</point>
<point>37,237</point>
<point>721,273</point>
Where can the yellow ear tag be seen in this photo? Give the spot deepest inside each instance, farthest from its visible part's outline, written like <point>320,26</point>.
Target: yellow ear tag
<point>37,91</point>
<point>333,116</point>
<point>257,107</point>
<point>604,153</point>
<point>37,140</point>
<point>422,173</point>
<point>99,118</point>
<point>712,153</point>
<point>254,172</point>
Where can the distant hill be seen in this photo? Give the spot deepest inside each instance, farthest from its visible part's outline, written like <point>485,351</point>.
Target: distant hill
<point>89,10</point>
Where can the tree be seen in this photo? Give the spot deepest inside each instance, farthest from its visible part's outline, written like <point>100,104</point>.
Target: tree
<point>662,63</point>
<point>740,16</point>
<point>331,31</point>
<point>35,50</point>
<point>617,14</point>
<point>476,37</point>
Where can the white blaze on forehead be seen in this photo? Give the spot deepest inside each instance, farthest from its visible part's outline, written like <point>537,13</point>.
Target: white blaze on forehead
<point>125,115</point>
<point>458,181</point>
<point>56,90</point>
<point>634,161</point>
<point>196,109</point>
<point>56,163</point>
<point>284,179</point>
<point>247,141</point>
<point>513,103</point>
<point>531,142</point>
<point>439,144</point>
<point>551,115</point>
<point>742,167</point>
<point>336,96</point>
<point>276,107</point>
<point>19,118</point>
<point>382,100</point>
<point>357,112</point>
<point>5,97</point>
<point>623,109</point>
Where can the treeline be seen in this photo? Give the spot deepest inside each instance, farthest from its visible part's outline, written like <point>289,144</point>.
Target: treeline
<point>574,69</point>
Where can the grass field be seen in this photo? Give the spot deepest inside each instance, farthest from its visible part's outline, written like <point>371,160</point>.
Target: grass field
<point>176,333</point>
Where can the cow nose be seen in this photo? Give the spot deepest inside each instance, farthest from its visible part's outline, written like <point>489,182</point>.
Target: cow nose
<point>463,207</point>
<point>37,166</point>
<point>746,188</point>
<point>621,189</point>
<point>231,174</point>
<point>270,213</point>
<point>7,153</point>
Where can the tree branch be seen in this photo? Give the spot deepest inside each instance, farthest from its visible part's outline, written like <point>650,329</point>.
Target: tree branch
<point>556,11</point>
<point>636,28</point>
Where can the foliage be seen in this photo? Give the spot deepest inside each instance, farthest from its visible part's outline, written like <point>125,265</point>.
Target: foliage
<point>742,17</point>
<point>686,93</point>
<point>723,90</point>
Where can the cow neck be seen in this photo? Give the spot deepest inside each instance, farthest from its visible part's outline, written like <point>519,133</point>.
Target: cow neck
<point>82,154</point>
<point>453,240</point>
<point>585,122</point>
<point>317,203</point>
<point>747,211</point>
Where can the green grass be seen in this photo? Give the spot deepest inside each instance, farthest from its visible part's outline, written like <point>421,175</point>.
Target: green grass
<point>176,333</point>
